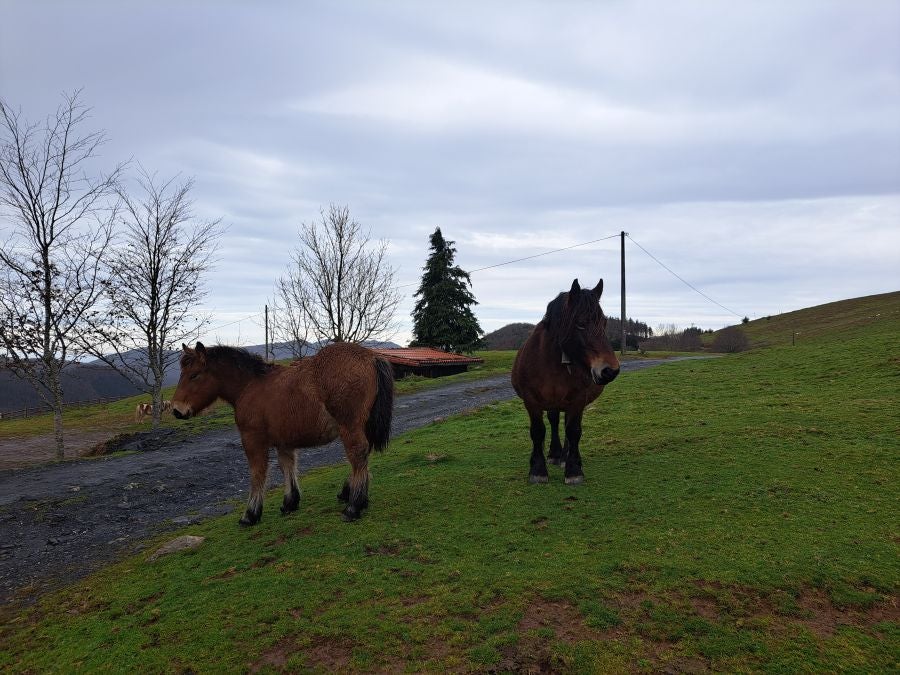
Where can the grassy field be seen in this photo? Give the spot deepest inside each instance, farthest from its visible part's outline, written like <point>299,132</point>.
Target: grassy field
<point>834,319</point>
<point>739,514</point>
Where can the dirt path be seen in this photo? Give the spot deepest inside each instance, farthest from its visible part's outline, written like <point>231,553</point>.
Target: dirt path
<point>60,522</point>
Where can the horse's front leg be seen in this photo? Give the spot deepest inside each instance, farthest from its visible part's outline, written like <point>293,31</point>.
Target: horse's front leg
<point>287,460</point>
<point>574,473</point>
<point>257,450</point>
<point>556,454</point>
<point>538,466</point>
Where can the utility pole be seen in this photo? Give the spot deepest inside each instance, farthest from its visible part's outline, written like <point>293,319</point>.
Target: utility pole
<point>267,332</point>
<point>623,291</point>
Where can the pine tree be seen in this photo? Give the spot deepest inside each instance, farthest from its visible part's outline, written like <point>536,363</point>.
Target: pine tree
<point>443,315</point>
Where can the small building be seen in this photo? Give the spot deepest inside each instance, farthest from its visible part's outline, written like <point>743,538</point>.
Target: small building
<point>424,361</point>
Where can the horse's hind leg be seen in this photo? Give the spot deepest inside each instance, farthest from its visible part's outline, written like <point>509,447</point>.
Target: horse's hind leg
<point>555,455</point>
<point>538,466</point>
<point>356,489</point>
<point>257,451</point>
<point>287,460</point>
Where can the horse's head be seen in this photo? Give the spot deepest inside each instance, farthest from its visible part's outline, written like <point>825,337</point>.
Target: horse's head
<point>197,388</point>
<point>578,325</point>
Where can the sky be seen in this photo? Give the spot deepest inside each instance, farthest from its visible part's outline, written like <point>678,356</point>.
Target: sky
<point>753,148</point>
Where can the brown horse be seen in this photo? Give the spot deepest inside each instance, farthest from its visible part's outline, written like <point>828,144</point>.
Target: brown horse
<point>344,390</point>
<point>563,366</point>
<point>142,411</point>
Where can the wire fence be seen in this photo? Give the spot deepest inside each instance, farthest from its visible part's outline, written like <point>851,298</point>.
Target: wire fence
<point>43,408</point>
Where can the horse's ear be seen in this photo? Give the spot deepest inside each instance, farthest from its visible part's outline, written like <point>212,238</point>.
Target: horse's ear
<point>598,289</point>
<point>185,348</point>
<point>200,349</point>
<point>573,293</point>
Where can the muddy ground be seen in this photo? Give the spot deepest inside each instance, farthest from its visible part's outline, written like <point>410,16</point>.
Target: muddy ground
<point>61,521</point>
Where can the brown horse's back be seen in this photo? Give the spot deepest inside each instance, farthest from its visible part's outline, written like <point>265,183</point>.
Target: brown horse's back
<point>309,402</point>
<point>346,377</point>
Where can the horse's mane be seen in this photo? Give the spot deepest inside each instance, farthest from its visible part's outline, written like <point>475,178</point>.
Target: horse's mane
<point>562,315</point>
<point>239,358</point>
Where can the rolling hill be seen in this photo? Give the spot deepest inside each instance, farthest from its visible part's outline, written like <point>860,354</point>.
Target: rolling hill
<point>510,336</point>
<point>840,318</point>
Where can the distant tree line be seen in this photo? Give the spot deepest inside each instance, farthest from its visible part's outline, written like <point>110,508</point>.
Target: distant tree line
<point>513,336</point>
<point>672,338</point>
<point>634,332</point>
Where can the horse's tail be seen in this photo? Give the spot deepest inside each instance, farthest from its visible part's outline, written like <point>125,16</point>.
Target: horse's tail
<point>378,426</point>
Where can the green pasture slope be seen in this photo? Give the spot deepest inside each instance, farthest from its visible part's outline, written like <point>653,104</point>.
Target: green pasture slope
<point>739,514</point>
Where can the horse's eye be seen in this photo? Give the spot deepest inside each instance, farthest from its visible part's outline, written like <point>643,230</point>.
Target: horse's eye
<point>581,327</point>
<point>195,376</point>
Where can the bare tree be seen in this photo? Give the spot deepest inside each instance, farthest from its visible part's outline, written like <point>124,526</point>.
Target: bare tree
<point>154,283</point>
<point>339,287</point>
<point>288,323</point>
<point>57,227</point>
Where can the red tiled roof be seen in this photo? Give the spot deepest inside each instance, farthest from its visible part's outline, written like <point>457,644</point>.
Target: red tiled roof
<point>423,356</point>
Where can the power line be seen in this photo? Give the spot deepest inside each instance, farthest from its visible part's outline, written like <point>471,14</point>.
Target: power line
<point>231,323</point>
<point>669,270</point>
<point>529,257</point>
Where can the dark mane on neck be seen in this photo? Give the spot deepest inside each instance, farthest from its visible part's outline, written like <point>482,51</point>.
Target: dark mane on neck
<point>563,315</point>
<point>238,358</point>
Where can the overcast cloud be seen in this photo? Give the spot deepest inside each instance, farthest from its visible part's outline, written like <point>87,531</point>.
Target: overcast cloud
<point>754,148</point>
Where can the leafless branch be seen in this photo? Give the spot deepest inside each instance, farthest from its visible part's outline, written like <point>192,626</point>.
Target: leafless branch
<point>154,281</point>
<point>339,287</point>
<point>57,216</point>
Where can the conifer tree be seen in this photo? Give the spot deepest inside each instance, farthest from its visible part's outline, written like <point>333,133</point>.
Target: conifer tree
<point>443,316</point>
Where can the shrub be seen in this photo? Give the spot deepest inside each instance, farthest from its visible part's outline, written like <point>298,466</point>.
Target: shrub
<point>730,340</point>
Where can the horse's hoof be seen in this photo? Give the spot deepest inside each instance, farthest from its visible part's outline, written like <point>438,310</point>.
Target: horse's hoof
<point>537,479</point>
<point>574,480</point>
<point>350,514</point>
<point>290,503</point>
<point>251,517</point>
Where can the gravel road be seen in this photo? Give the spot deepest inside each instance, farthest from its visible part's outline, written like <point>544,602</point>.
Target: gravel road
<point>62,521</point>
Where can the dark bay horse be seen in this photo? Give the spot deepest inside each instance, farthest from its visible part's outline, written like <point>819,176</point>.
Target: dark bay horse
<point>344,390</point>
<point>563,366</point>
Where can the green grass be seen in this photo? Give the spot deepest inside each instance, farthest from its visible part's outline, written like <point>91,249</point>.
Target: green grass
<point>833,319</point>
<point>117,415</point>
<point>739,514</point>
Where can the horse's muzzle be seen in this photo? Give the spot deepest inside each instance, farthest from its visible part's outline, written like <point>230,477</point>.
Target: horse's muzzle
<point>181,415</point>
<point>605,376</point>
